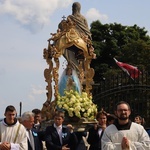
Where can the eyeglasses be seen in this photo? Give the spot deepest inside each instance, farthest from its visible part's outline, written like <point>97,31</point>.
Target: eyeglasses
<point>121,110</point>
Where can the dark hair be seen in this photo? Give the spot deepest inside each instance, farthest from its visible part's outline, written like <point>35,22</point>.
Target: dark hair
<point>122,102</point>
<point>36,111</point>
<point>111,117</point>
<point>10,108</point>
<point>141,118</point>
<point>138,117</point>
<point>102,112</point>
<point>59,113</point>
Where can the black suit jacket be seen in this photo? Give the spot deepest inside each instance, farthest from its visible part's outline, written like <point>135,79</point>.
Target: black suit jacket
<point>37,142</point>
<point>94,139</point>
<point>53,141</point>
<point>81,144</point>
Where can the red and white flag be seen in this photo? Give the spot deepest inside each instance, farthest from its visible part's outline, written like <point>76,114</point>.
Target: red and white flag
<point>132,71</point>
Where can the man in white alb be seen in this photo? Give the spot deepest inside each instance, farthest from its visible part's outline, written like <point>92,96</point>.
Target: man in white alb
<point>124,134</point>
<point>12,133</point>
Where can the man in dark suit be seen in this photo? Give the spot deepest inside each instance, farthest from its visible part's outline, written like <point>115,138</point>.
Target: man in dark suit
<point>34,142</point>
<point>96,131</point>
<point>37,125</point>
<point>59,137</point>
<point>37,119</point>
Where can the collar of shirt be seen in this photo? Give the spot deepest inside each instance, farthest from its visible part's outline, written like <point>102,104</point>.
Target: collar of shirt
<point>37,124</point>
<point>58,127</point>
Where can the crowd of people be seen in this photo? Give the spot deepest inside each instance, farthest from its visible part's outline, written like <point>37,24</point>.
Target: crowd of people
<point>112,131</point>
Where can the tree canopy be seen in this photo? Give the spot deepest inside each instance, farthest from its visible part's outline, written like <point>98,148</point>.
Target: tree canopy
<point>129,44</point>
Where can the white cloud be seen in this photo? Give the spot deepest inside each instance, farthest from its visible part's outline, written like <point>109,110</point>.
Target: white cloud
<point>93,15</point>
<point>36,92</point>
<point>32,13</point>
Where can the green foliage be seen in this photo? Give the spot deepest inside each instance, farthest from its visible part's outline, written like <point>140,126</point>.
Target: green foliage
<point>129,44</point>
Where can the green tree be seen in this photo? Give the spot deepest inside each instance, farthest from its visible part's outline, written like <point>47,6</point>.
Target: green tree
<point>129,44</point>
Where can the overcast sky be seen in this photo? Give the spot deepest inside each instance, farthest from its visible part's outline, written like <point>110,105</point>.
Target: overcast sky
<point>25,26</point>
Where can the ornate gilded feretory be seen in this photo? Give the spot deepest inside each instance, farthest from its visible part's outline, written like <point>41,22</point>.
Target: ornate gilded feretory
<point>67,39</point>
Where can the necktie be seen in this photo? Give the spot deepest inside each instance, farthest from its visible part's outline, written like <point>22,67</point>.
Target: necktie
<point>31,139</point>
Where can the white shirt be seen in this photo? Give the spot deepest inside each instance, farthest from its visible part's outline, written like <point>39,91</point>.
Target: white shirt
<point>100,131</point>
<point>59,131</point>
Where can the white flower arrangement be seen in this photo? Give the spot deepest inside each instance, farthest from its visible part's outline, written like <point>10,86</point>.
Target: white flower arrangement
<point>79,105</point>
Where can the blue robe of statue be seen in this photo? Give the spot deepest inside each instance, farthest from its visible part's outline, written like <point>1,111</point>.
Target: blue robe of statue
<point>64,83</point>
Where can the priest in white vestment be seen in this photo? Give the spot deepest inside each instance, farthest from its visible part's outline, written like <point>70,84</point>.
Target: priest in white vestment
<point>12,133</point>
<point>124,134</point>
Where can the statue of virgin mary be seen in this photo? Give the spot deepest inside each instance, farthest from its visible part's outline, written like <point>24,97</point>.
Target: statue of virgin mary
<point>69,81</point>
